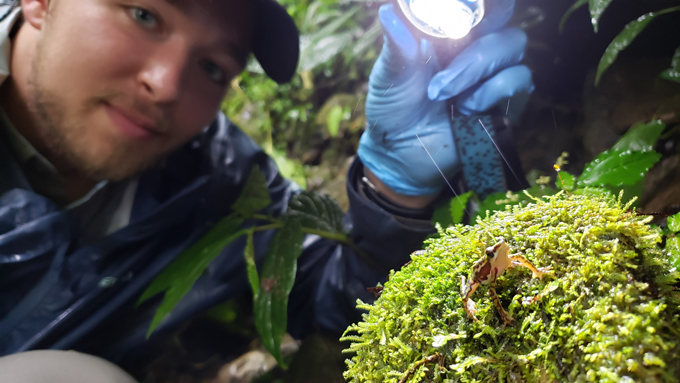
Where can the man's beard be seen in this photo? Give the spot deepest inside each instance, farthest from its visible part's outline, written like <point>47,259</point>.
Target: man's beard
<point>67,138</point>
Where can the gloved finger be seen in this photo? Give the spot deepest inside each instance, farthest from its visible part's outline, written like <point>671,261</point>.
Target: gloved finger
<point>509,82</point>
<point>498,13</point>
<point>399,42</point>
<point>481,59</point>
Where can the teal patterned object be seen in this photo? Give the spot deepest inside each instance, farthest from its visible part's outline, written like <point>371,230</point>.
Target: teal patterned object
<point>482,163</point>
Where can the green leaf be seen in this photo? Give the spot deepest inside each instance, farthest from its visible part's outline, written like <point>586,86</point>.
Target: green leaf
<point>616,168</point>
<point>623,39</point>
<point>442,214</point>
<point>621,42</point>
<point>457,207</point>
<point>673,247</point>
<point>673,73</point>
<point>318,47</point>
<point>336,23</point>
<point>224,312</point>
<point>565,180</point>
<point>291,169</point>
<point>596,8</point>
<point>629,191</point>
<point>181,274</point>
<point>249,255</point>
<point>450,212</point>
<point>367,38</point>
<point>640,137</point>
<point>333,121</point>
<point>578,4</point>
<point>329,114</point>
<point>317,52</point>
<point>495,202</point>
<point>278,275</point>
<point>674,223</point>
<point>254,195</point>
<point>316,211</point>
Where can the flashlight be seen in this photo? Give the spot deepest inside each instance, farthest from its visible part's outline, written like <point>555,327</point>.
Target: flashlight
<point>449,19</point>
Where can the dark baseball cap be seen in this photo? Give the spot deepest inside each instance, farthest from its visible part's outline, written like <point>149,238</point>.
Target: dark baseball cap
<point>276,41</point>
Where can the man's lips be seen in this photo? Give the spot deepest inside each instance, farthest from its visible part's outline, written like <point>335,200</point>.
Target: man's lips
<point>131,123</point>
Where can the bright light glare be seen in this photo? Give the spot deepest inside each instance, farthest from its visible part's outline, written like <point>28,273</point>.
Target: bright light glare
<point>450,17</point>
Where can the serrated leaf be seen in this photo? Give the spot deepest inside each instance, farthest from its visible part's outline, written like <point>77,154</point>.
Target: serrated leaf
<point>316,211</point>
<point>625,37</point>
<point>457,207</point>
<point>254,195</point>
<point>565,180</point>
<point>578,4</point>
<point>181,274</point>
<point>640,137</point>
<point>251,266</point>
<point>596,8</point>
<point>673,223</point>
<point>616,168</point>
<point>673,247</point>
<point>278,275</point>
<point>673,73</point>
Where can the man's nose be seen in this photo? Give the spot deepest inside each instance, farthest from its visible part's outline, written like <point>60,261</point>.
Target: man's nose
<point>163,76</point>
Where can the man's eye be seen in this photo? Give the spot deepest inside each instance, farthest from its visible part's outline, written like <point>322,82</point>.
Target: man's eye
<point>216,73</point>
<point>144,17</point>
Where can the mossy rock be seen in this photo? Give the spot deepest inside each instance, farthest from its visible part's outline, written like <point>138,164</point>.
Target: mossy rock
<point>610,314</point>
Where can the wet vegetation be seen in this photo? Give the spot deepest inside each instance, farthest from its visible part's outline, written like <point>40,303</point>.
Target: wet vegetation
<point>612,266</point>
<point>610,314</point>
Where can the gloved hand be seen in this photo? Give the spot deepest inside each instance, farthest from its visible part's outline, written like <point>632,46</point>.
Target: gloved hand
<point>408,89</point>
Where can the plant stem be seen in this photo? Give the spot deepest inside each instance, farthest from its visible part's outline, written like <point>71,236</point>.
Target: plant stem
<point>277,225</point>
<point>667,10</point>
<point>432,358</point>
<point>263,217</point>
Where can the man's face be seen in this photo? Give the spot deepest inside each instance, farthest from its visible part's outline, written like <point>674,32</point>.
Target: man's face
<point>116,84</point>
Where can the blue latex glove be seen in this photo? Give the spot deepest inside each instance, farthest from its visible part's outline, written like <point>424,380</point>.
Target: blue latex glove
<point>408,89</point>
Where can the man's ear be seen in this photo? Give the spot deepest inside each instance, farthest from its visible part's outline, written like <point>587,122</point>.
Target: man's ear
<point>35,12</point>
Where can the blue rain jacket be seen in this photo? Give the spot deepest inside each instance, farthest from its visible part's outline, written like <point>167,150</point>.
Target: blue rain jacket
<point>56,292</point>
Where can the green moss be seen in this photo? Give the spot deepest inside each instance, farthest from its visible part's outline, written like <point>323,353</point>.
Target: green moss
<point>611,313</point>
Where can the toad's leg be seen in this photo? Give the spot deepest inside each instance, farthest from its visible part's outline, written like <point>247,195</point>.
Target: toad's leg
<point>499,306</point>
<point>466,291</point>
<point>519,260</point>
